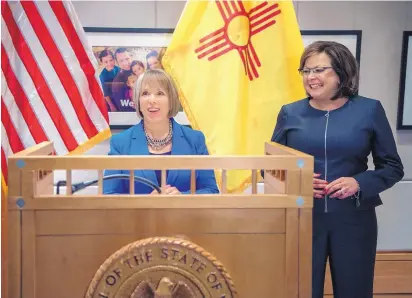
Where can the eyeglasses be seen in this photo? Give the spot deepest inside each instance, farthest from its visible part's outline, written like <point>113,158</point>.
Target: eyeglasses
<point>316,71</point>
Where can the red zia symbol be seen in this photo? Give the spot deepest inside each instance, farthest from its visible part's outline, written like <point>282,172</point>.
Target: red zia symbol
<point>237,31</point>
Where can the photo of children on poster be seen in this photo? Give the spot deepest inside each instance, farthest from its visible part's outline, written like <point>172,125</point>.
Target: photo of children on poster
<point>119,68</point>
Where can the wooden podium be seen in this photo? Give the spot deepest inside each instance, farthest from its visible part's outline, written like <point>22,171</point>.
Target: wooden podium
<point>56,243</point>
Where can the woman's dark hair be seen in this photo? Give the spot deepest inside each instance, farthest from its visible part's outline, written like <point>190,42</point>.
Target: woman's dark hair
<point>105,53</point>
<point>136,62</point>
<point>119,51</point>
<point>343,63</point>
<point>152,54</point>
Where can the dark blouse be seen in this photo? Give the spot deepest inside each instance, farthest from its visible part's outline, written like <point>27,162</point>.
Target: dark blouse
<point>159,172</point>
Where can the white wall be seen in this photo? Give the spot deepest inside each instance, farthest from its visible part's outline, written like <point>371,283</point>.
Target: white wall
<point>381,23</point>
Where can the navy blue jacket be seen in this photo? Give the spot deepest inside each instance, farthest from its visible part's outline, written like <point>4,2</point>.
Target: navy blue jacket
<point>185,141</point>
<point>340,141</point>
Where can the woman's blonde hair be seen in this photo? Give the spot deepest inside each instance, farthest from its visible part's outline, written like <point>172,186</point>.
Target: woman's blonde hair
<point>166,82</point>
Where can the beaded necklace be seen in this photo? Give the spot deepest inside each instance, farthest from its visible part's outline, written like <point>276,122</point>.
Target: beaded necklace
<point>156,144</point>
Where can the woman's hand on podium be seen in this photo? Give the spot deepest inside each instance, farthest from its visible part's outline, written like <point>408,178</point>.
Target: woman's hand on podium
<point>318,186</point>
<point>169,190</point>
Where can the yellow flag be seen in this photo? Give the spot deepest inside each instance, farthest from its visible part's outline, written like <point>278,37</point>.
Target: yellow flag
<point>236,63</point>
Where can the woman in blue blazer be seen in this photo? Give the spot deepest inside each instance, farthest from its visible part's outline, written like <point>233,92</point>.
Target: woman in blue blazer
<point>156,100</point>
<point>341,129</point>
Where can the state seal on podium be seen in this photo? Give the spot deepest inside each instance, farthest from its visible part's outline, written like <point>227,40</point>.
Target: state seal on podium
<point>161,267</point>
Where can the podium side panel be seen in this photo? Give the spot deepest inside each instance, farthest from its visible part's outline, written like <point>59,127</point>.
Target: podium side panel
<point>305,253</point>
<point>14,254</point>
<point>292,253</point>
<point>13,235</point>
<point>28,255</point>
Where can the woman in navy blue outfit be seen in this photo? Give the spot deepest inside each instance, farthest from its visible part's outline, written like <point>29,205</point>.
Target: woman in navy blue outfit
<point>156,100</point>
<point>340,129</point>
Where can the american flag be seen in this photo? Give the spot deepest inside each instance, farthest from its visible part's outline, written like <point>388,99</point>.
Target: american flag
<point>50,89</point>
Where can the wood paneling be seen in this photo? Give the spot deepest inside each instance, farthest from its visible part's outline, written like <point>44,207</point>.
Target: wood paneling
<point>381,296</point>
<point>393,275</point>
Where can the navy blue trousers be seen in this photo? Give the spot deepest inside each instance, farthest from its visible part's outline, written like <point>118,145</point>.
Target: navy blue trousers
<point>349,241</point>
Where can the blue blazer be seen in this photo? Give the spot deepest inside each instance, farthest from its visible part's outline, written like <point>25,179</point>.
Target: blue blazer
<point>341,141</point>
<point>185,141</point>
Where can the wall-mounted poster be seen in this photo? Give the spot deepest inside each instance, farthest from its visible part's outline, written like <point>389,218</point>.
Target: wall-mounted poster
<point>405,86</point>
<point>124,53</point>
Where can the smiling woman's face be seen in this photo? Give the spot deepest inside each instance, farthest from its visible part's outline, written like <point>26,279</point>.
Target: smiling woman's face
<point>154,101</point>
<point>153,62</point>
<point>320,85</point>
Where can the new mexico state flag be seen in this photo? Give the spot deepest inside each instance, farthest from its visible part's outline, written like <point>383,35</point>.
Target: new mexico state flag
<point>236,63</point>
